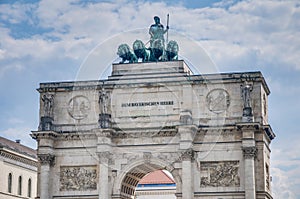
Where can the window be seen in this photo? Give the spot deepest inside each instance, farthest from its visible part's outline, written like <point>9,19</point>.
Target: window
<point>29,188</point>
<point>20,185</point>
<point>9,182</point>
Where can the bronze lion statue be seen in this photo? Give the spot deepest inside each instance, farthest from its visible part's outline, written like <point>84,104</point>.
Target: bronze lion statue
<point>126,54</point>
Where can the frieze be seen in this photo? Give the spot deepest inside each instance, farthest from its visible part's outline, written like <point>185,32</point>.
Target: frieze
<point>78,178</point>
<point>220,174</point>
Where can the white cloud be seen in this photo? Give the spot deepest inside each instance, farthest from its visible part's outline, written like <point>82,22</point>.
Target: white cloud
<point>19,133</point>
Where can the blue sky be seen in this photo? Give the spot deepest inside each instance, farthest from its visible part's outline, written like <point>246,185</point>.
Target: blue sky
<point>43,41</point>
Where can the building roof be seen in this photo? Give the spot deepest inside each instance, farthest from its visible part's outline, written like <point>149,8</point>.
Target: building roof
<point>156,177</point>
<point>17,147</point>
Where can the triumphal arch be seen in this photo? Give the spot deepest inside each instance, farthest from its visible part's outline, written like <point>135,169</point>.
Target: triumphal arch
<point>97,139</point>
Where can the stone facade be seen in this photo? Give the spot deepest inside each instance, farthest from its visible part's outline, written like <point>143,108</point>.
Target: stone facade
<point>210,132</point>
<point>19,168</point>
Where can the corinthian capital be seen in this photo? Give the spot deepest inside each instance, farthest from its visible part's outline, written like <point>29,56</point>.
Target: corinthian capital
<point>250,152</point>
<point>188,154</point>
<point>47,159</point>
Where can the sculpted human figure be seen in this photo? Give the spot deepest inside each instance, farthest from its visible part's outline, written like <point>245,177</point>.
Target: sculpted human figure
<point>48,104</point>
<point>157,31</point>
<point>247,88</point>
<point>103,101</point>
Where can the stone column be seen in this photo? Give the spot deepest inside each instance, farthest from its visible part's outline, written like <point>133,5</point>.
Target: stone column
<point>187,133</point>
<point>249,152</point>
<point>249,155</point>
<point>104,158</point>
<point>187,175</point>
<point>46,161</point>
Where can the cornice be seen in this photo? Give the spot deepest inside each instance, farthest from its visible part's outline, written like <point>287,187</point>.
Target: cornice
<point>6,154</point>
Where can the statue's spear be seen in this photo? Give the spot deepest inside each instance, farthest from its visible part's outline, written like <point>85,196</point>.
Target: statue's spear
<point>167,29</point>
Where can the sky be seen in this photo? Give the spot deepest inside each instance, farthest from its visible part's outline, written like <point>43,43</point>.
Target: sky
<point>46,41</point>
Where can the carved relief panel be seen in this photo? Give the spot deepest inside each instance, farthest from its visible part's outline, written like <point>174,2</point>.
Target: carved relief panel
<point>78,178</point>
<point>220,174</point>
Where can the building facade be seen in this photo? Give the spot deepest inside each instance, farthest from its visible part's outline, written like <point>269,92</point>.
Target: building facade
<point>18,165</point>
<point>98,139</point>
<point>157,184</point>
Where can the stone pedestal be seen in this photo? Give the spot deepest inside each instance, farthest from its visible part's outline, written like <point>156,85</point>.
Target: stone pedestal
<point>247,115</point>
<point>104,120</point>
<point>46,123</point>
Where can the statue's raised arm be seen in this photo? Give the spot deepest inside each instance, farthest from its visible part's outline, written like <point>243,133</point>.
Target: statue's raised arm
<point>157,31</point>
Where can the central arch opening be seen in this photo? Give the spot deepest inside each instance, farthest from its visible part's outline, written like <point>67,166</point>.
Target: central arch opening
<point>148,181</point>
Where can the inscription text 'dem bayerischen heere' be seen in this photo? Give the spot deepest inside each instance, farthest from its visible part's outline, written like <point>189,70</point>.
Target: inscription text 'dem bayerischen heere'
<point>138,104</point>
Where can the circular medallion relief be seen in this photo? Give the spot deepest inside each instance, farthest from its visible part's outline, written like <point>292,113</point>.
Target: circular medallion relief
<point>79,107</point>
<point>218,100</point>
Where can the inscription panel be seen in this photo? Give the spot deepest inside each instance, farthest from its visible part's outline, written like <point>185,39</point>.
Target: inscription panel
<point>78,178</point>
<point>220,174</point>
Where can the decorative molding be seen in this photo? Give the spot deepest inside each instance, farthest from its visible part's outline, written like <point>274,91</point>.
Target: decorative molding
<point>250,152</point>
<point>220,174</point>
<point>161,133</point>
<point>78,178</point>
<point>18,158</point>
<point>46,159</point>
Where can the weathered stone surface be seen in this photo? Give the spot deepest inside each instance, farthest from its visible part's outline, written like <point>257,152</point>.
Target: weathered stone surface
<point>149,116</point>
